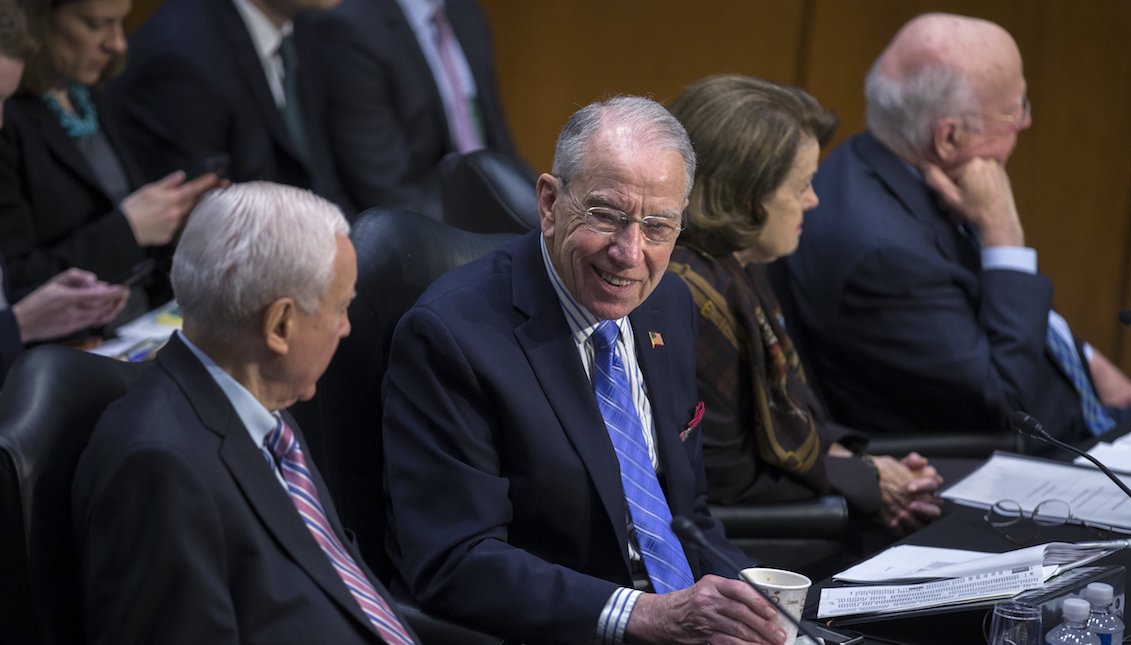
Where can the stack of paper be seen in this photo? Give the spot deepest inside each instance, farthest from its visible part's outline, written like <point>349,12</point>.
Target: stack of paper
<point>951,576</point>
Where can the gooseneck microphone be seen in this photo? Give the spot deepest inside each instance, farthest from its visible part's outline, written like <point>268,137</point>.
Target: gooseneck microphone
<point>1028,426</point>
<point>687,532</point>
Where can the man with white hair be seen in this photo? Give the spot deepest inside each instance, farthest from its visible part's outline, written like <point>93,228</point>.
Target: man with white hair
<point>918,302</point>
<point>199,518</point>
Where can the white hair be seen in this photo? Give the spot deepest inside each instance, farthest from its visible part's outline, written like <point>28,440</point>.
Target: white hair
<point>248,245</point>
<point>647,118</point>
<point>903,112</point>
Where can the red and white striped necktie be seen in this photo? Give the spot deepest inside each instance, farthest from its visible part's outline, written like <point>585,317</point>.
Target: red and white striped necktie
<point>283,445</point>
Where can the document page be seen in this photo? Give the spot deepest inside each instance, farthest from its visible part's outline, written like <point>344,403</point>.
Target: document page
<point>1094,500</point>
<point>849,601</point>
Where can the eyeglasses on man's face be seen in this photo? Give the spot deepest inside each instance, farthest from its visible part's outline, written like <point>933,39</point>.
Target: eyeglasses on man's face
<point>1016,119</point>
<point>609,221</point>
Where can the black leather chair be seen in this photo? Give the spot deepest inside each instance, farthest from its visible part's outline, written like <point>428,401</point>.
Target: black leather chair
<point>48,406</point>
<point>399,253</point>
<point>488,192</point>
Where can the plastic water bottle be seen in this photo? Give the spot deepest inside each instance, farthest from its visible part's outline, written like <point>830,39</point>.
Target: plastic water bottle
<point>1074,629</point>
<point>1103,622</point>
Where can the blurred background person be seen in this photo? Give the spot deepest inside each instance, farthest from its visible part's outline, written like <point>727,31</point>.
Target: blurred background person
<point>69,193</point>
<point>765,435</point>
<point>227,84</point>
<point>407,82</point>
<point>917,298</point>
<point>72,300</point>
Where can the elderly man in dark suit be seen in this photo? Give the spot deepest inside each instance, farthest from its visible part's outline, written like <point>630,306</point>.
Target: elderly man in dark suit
<point>199,516</point>
<point>227,85</point>
<point>919,303</point>
<point>407,81</point>
<point>541,414</point>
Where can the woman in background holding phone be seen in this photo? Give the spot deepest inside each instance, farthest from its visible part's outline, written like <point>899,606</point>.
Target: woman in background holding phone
<point>69,192</point>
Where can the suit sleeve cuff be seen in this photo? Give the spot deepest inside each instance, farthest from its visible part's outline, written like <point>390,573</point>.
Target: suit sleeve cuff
<point>614,617</point>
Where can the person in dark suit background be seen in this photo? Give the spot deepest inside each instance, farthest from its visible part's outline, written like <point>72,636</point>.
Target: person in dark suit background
<point>919,303</point>
<point>72,300</point>
<point>69,192</point>
<point>392,110</point>
<point>514,473</point>
<point>766,437</point>
<point>227,83</point>
<point>186,502</point>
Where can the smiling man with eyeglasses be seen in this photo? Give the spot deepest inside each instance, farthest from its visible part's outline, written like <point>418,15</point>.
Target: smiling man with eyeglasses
<point>541,415</point>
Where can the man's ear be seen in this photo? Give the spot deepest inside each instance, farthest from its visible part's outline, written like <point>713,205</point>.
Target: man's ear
<point>277,325</point>
<point>948,140</point>
<point>547,190</point>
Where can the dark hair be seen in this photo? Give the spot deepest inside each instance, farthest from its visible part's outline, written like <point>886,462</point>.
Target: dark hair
<point>746,132</point>
<point>15,41</point>
<point>40,73</point>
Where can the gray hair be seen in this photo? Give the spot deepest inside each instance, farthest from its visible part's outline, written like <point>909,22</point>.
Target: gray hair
<point>902,112</point>
<point>648,120</point>
<point>248,245</point>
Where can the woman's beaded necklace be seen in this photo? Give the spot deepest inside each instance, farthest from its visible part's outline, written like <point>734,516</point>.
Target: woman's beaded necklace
<point>84,121</point>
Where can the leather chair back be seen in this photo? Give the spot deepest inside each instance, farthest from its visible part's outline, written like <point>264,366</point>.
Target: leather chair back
<point>50,402</point>
<point>399,254</point>
<point>488,192</point>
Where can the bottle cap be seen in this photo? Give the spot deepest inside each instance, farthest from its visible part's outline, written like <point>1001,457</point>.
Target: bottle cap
<point>1076,609</point>
<point>1099,593</point>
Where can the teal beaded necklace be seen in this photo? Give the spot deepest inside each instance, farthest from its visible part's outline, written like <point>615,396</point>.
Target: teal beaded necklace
<point>84,121</point>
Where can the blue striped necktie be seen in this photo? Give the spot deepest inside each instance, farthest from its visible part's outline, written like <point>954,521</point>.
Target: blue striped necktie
<point>282,444</point>
<point>1096,418</point>
<point>663,556</point>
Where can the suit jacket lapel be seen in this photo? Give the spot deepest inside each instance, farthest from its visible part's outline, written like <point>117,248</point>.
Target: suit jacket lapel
<point>921,201</point>
<point>656,368</point>
<point>246,61</point>
<point>546,341</point>
<point>252,474</point>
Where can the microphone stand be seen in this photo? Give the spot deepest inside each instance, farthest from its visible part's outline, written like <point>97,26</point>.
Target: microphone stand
<point>1028,426</point>
<point>688,532</point>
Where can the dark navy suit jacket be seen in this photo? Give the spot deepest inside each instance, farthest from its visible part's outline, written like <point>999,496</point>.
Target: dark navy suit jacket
<point>905,330</point>
<point>186,534</point>
<point>195,88</point>
<point>384,115</point>
<point>506,506</point>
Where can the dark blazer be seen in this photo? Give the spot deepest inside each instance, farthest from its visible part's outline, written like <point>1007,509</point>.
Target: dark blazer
<point>195,88</point>
<point>904,329</point>
<point>53,212</point>
<point>506,506</point>
<point>385,118</point>
<point>187,536</point>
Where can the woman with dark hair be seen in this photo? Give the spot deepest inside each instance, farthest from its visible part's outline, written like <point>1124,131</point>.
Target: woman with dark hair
<point>69,194</point>
<point>765,436</point>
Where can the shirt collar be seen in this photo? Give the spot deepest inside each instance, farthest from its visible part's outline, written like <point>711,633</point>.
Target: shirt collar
<point>257,420</point>
<point>419,13</point>
<point>264,36</point>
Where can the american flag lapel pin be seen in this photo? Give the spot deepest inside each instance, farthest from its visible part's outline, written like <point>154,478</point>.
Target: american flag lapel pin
<point>657,339</point>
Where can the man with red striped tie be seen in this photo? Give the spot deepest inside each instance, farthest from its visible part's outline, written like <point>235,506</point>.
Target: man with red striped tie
<point>198,515</point>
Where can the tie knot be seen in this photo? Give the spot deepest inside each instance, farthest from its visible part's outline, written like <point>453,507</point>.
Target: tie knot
<point>606,335</point>
<point>281,440</point>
